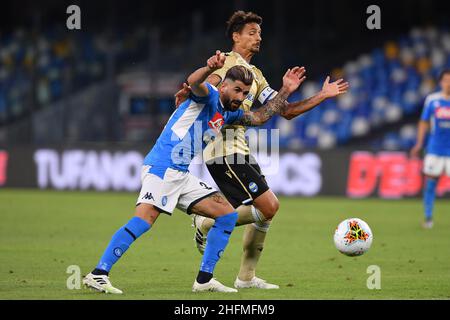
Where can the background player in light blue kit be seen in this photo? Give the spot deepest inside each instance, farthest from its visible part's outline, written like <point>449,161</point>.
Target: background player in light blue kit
<point>166,181</point>
<point>435,119</point>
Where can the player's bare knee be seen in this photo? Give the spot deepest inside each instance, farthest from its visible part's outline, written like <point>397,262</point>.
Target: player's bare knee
<point>267,204</point>
<point>270,209</point>
<point>275,207</point>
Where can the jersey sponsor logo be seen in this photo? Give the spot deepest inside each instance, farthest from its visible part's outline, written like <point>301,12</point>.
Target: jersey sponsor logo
<point>216,122</point>
<point>148,196</point>
<point>442,113</point>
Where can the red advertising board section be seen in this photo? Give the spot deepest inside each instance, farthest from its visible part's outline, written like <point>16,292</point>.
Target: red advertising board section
<point>3,166</point>
<point>388,175</point>
<point>356,174</point>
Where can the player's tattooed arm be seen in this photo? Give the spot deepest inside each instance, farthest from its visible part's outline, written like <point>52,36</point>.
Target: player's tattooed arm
<point>329,90</point>
<point>291,80</point>
<point>197,79</point>
<point>263,114</point>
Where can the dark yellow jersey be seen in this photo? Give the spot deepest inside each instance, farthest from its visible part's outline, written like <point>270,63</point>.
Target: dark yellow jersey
<point>260,89</point>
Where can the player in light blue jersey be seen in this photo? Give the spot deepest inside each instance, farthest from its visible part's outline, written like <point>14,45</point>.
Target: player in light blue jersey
<point>166,181</point>
<point>435,119</point>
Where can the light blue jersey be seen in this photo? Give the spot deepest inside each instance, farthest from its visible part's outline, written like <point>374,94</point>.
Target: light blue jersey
<point>187,132</point>
<point>437,110</point>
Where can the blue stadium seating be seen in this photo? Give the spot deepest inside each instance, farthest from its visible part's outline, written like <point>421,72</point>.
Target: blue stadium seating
<point>385,86</point>
<point>38,68</point>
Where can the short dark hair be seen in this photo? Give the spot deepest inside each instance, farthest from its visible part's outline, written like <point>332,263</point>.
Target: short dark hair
<point>443,73</point>
<point>240,73</point>
<point>239,19</point>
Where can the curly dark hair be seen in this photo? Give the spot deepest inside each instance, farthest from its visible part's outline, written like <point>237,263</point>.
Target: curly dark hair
<point>239,19</point>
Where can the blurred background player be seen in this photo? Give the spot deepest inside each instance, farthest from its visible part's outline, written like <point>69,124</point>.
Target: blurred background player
<point>166,181</point>
<point>229,161</point>
<point>435,119</point>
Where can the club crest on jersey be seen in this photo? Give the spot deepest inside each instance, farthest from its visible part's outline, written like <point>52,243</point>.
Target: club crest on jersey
<point>442,113</point>
<point>164,200</point>
<point>216,122</point>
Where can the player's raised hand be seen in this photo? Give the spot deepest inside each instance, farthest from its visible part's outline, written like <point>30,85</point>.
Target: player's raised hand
<point>217,61</point>
<point>293,78</point>
<point>300,72</point>
<point>182,94</point>
<point>333,89</point>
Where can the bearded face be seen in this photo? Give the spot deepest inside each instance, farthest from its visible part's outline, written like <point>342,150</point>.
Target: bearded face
<point>233,93</point>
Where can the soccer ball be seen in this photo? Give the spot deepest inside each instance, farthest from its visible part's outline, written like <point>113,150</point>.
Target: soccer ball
<point>353,237</point>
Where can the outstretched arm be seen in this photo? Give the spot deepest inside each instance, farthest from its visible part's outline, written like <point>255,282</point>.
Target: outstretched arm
<point>184,92</point>
<point>291,80</point>
<point>197,79</point>
<point>329,90</point>
<point>263,114</point>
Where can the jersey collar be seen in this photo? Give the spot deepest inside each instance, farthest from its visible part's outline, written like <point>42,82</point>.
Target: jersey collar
<point>246,64</point>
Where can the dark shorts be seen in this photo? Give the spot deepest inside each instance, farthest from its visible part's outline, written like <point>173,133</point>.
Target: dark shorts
<point>238,177</point>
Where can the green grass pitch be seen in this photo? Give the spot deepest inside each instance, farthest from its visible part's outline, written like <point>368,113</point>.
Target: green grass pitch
<point>42,233</point>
